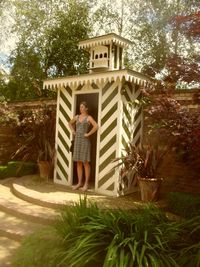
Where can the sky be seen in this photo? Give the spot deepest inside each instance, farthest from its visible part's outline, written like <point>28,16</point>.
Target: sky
<point>7,38</point>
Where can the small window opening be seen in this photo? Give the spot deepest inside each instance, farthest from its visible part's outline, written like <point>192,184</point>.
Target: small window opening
<point>96,56</point>
<point>105,55</point>
<point>101,55</point>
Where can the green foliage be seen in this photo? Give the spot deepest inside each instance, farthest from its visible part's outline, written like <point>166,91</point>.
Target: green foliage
<point>48,34</point>
<point>86,236</point>
<point>17,169</point>
<point>3,85</point>
<point>184,204</point>
<point>62,55</point>
<point>26,75</point>
<point>189,243</point>
<point>4,172</point>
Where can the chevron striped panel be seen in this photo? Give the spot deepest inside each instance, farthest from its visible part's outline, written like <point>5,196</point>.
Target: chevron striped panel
<point>127,115</point>
<point>63,162</point>
<point>108,135</point>
<point>131,128</point>
<point>137,120</point>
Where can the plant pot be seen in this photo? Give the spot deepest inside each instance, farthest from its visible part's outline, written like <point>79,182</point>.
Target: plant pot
<point>45,169</point>
<point>149,188</point>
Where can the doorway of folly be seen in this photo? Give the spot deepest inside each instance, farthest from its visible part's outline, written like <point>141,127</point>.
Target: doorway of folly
<point>92,100</point>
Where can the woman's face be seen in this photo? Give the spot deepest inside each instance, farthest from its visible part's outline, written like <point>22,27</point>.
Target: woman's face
<point>83,109</point>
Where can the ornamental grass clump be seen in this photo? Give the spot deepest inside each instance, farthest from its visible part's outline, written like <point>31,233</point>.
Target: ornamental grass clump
<point>86,236</point>
<point>143,161</point>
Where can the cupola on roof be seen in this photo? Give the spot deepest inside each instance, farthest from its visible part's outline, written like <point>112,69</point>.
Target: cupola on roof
<point>106,52</point>
<point>106,64</point>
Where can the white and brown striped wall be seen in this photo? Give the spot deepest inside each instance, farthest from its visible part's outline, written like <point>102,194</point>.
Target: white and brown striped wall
<point>119,122</point>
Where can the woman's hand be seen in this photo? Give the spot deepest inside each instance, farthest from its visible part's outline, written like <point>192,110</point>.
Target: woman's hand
<point>86,135</point>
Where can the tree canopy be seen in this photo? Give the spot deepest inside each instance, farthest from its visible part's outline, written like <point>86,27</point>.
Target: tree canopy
<point>164,34</point>
<point>185,69</point>
<point>48,34</point>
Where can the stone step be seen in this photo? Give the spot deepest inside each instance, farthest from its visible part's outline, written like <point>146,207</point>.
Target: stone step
<point>40,199</point>
<point>16,228</point>
<point>15,206</point>
<point>49,194</point>
<point>7,249</point>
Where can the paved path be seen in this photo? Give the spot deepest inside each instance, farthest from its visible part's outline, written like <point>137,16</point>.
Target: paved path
<point>29,203</point>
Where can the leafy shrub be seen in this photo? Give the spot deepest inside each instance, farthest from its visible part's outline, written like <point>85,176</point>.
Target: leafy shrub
<point>17,169</point>
<point>171,123</point>
<point>3,172</point>
<point>86,236</point>
<point>184,204</point>
<point>36,133</point>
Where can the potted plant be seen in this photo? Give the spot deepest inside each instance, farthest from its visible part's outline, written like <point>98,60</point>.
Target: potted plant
<point>46,160</point>
<point>143,162</point>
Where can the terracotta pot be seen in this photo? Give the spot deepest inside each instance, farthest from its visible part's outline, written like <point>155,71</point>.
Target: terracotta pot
<point>149,188</point>
<point>45,169</point>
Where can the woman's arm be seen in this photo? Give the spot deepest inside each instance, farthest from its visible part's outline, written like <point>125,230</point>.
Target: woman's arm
<point>94,128</point>
<point>71,124</point>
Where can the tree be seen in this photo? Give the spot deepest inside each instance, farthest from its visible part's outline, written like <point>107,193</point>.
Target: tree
<point>62,56</point>
<point>49,31</point>
<point>185,70</point>
<point>26,75</point>
<point>146,24</point>
<point>48,35</point>
<point>112,16</point>
<point>189,25</point>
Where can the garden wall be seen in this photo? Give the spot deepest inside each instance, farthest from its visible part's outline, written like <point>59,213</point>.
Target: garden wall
<point>8,144</point>
<point>178,176</point>
<point>8,139</point>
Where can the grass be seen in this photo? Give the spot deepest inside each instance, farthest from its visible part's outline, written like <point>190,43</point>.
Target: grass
<point>86,236</point>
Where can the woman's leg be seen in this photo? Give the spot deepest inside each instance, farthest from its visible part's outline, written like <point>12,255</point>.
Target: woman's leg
<point>80,175</point>
<point>87,175</point>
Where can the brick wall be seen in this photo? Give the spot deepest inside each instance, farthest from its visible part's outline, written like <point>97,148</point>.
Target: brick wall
<point>180,176</point>
<point>7,144</point>
<point>177,175</point>
<point>8,139</point>
<point>188,98</point>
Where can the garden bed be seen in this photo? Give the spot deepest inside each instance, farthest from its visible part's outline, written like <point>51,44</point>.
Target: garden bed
<point>17,169</point>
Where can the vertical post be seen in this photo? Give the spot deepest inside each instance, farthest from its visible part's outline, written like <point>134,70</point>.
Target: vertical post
<point>111,56</point>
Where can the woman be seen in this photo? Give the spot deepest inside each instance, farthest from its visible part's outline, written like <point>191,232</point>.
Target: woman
<point>81,152</point>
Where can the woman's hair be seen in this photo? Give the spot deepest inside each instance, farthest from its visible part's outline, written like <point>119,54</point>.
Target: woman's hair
<point>84,103</point>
